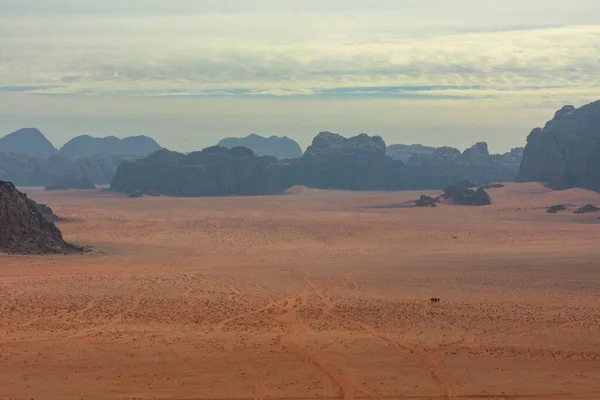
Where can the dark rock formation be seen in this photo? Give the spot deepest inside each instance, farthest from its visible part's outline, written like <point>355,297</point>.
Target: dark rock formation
<point>493,186</point>
<point>28,141</point>
<point>23,229</point>
<point>86,146</point>
<point>275,146</point>
<point>556,208</point>
<point>25,170</point>
<point>566,152</point>
<point>461,193</point>
<point>403,152</point>
<point>588,208</point>
<point>357,163</point>
<point>428,171</point>
<point>71,182</point>
<point>214,171</point>
<point>332,162</point>
<point>426,201</point>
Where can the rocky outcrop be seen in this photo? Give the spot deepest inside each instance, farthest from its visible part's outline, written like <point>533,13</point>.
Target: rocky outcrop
<point>214,171</point>
<point>69,182</point>
<point>565,153</point>
<point>556,208</point>
<point>29,141</point>
<point>24,170</point>
<point>275,146</point>
<point>426,201</point>
<point>403,152</point>
<point>357,163</point>
<point>87,146</point>
<point>462,193</point>
<point>588,208</point>
<point>428,171</point>
<point>23,229</point>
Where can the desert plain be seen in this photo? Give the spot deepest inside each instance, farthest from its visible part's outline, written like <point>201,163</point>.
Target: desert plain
<point>307,295</point>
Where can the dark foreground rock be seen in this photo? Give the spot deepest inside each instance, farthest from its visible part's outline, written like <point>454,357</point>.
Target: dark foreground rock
<point>565,153</point>
<point>588,208</point>
<point>463,194</point>
<point>23,228</point>
<point>434,170</point>
<point>71,182</point>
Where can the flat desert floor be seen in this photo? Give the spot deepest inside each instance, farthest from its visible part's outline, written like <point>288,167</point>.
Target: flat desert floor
<point>308,295</point>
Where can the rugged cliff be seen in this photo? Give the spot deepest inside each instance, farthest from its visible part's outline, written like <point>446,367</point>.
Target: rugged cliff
<point>566,152</point>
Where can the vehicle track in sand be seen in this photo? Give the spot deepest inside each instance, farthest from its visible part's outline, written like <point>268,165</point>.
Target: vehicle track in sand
<point>428,359</point>
<point>289,319</point>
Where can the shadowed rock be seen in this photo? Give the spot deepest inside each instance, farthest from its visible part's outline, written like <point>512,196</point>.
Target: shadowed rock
<point>426,201</point>
<point>566,152</point>
<point>23,228</point>
<point>461,193</point>
<point>556,208</point>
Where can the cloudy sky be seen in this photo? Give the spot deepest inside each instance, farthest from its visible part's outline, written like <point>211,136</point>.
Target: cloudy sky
<point>437,72</point>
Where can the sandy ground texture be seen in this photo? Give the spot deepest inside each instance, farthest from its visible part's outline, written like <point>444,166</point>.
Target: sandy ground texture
<point>309,295</point>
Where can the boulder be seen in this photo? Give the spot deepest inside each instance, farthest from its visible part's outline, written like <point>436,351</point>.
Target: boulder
<point>462,194</point>
<point>556,208</point>
<point>426,201</point>
<point>565,153</point>
<point>23,228</point>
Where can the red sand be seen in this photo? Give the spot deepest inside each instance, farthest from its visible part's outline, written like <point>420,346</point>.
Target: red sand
<point>311,295</point>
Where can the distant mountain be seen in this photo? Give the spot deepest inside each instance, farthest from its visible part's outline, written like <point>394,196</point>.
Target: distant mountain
<point>566,152</point>
<point>275,146</point>
<point>25,170</point>
<point>28,141</point>
<point>85,146</point>
<point>403,152</point>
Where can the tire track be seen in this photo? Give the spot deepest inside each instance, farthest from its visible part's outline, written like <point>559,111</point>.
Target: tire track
<point>430,361</point>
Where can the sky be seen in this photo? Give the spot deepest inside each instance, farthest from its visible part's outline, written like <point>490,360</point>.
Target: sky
<point>188,73</point>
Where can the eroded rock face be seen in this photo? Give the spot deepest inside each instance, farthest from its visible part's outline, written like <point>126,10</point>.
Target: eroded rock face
<point>214,171</point>
<point>356,163</point>
<point>23,229</point>
<point>445,165</point>
<point>566,152</point>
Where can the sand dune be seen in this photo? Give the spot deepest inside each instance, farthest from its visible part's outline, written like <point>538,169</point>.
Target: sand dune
<point>314,295</point>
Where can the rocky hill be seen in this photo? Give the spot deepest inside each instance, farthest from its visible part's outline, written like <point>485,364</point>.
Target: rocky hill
<point>447,165</point>
<point>215,171</point>
<point>28,141</point>
<point>25,170</point>
<point>86,146</point>
<point>357,163</point>
<point>565,153</point>
<point>23,229</point>
<point>275,146</point>
<point>403,152</point>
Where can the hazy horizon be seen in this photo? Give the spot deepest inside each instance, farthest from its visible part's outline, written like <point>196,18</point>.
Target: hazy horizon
<point>431,72</point>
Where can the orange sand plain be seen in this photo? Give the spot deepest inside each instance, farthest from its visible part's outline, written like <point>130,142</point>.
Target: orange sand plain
<point>309,295</point>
